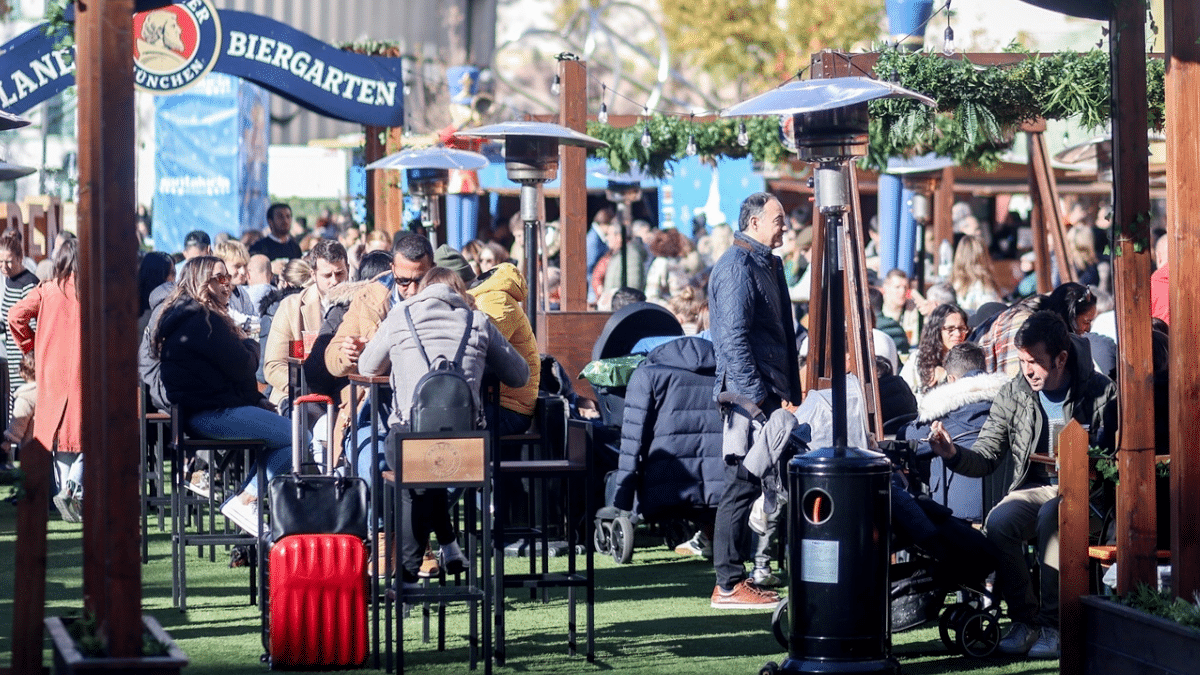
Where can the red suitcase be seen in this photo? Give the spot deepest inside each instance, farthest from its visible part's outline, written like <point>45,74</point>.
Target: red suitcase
<point>317,568</point>
<point>318,601</point>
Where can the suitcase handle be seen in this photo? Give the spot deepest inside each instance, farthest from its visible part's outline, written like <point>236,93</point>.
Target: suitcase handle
<point>297,445</point>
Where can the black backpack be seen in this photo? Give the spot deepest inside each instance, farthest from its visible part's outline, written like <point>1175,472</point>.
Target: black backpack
<point>444,398</point>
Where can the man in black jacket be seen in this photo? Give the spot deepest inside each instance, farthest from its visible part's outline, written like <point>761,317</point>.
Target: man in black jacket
<point>757,360</point>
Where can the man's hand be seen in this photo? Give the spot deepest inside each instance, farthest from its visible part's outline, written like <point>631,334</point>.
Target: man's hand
<point>939,441</point>
<point>351,347</point>
<point>789,406</point>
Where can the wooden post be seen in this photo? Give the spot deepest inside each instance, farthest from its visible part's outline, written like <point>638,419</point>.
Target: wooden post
<point>943,222</point>
<point>859,315</point>
<point>1183,200</point>
<point>108,308</point>
<point>1073,528</point>
<point>1045,196</point>
<point>816,368</point>
<point>29,591</point>
<point>373,150</point>
<point>572,204</point>
<point>1136,517</point>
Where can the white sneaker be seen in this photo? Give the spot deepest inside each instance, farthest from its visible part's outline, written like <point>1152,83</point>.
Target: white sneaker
<point>1020,639</point>
<point>241,513</point>
<point>199,484</point>
<point>697,545</point>
<point>1047,646</point>
<point>762,576</point>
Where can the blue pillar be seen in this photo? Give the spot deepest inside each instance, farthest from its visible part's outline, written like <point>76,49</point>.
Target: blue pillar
<point>906,242</point>
<point>890,206</point>
<point>906,21</point>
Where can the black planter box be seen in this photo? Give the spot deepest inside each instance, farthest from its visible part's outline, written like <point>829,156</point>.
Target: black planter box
<point>1126,641</point>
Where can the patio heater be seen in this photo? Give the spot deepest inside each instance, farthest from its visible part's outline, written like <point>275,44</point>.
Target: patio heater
<point>427,171</point>
<point>531,158</point>
<point>623,190</point>
<point>12,171</point>
<point>839,522</point>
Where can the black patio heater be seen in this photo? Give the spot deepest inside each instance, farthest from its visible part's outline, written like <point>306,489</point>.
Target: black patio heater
<point>839,522</point>
<point>427,171</point>
<point>623,190</point>
<point>531,158</point>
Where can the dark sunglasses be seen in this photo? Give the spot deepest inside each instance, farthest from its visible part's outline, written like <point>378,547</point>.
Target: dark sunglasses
<point>221,278</point>
<point>404,282</point>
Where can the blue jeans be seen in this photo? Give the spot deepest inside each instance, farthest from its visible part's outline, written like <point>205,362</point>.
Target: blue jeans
<point>249,422</point>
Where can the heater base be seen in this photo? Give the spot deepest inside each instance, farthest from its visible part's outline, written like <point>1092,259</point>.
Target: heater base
<point>888,666</point>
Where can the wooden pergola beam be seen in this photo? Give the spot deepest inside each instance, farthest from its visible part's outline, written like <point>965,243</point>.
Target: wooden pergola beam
<point>1183,202</point>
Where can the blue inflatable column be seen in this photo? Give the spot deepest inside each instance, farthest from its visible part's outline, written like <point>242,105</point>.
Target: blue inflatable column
<point>891,190</point>
<point>906,243</point>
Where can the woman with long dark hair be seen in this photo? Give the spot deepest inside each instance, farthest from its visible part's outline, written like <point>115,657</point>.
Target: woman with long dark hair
<point>208,367</point>
<point>945,327</point>
<point>58,419</point>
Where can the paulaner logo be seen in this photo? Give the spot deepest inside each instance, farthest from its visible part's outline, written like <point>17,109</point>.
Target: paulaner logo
<point>175,45</point>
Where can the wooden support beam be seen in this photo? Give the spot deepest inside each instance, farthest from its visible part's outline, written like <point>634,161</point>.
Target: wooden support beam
<point>108,309</point>
<point>816,365</point>
<point>859,315</point>
<point>374,148</point>
<point>1073,527</point>
<point>1136,517</point>
<point>29,587</point>
<point>572,204</point>
<point>1182,24</point>
<point>1044,191</point>
<point>943,221</point>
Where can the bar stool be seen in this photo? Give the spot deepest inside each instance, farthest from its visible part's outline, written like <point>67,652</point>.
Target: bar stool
<point>444,459</point>
<point>573,468</point>
<point>375,387</point>
<point>152,425</point>
<point>229,461</point>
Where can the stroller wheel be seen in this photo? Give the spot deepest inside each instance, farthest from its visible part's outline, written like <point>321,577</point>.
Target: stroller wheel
<point>978,634</point>
<point>622,540</point>
<point>602,539</point>
<point>779,623</point>
<point>948,627</point>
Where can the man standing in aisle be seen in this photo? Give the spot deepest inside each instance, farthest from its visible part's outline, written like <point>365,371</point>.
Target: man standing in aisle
<point>1057,384</point>
<point>279,243</point>
<point>755,344</point>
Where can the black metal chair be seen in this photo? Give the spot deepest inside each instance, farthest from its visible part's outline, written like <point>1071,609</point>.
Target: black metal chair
<point>153,432</point>
<point>229,460</point>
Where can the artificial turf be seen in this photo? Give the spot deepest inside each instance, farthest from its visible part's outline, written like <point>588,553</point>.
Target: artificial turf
<point>652,616</point>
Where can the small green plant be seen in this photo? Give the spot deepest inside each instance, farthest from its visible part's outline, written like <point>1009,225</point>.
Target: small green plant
<point>84,629</point>
<point>1162,604</point>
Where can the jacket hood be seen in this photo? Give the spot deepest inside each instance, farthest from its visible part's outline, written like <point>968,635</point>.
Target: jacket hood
<point>505,278</point>
<point>344,294</point>
<point>946,398</point>
<point>160,293</point>
<point>686,353</point>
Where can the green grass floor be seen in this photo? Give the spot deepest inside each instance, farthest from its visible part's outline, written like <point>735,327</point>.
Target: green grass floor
<point>652,616</point>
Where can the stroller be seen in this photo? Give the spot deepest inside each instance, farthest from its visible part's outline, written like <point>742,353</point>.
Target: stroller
<point>625,329</point>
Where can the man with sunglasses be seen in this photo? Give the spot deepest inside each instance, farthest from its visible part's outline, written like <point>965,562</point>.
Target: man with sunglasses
<point>412,257</point>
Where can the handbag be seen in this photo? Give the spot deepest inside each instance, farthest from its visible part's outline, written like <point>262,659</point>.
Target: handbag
<point>308,504</point>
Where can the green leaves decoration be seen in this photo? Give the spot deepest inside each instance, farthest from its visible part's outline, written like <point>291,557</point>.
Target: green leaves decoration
<point>979,111</point>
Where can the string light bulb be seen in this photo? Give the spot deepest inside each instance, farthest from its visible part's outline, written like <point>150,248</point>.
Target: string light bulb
<point>743,138</point>
<point>556,87</point>
<point>602,118</point>
<point>691,145</point>
<point>948,36</point>
<point>647,141</point>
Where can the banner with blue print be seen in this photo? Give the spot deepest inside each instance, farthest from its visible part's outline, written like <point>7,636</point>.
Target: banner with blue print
<point>176,46</point>
<point>197,162</point>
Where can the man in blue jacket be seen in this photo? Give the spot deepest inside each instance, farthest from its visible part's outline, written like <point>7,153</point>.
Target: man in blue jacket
<point>755,345</point>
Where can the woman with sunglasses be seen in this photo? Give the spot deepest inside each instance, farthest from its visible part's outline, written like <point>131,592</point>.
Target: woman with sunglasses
<point>208,367</point>
<point>945,327</point>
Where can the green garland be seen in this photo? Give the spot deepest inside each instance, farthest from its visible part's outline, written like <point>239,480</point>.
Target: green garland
<point>979,111</point>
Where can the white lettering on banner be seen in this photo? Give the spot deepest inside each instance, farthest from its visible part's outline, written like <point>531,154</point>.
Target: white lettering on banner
<point>5,100</point>
<point>280,60</point>
<point>65,58</point>
<point>166,82</point>
<point>309,68</point>
<point>44,69</point>
<point>25,86</point>
<point>365,95</point>
<point>198,10</point>
<point>237,43</point>
<point>264,50</point>
<point>315,72</point>
<point>299,64</point>
<point>195,185</point>
<point>332,79</point>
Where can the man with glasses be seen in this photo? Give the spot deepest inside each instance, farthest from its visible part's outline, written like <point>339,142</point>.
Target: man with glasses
<point>412,257</point>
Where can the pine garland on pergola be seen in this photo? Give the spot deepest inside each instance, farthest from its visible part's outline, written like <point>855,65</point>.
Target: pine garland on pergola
<point>980,108</point>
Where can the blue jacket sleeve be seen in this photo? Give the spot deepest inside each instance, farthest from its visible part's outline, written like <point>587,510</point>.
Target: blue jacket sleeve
<point>733,305</point>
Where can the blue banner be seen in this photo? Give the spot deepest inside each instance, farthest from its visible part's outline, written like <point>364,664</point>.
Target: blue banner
<point>197,166</point>
<point>177,45</point>
<point>254,121</point>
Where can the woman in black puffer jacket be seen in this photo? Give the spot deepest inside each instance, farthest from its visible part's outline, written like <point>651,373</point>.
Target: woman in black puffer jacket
<point>671,436</point>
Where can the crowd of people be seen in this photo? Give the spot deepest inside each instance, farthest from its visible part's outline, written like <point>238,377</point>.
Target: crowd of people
<point>977,369</point>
